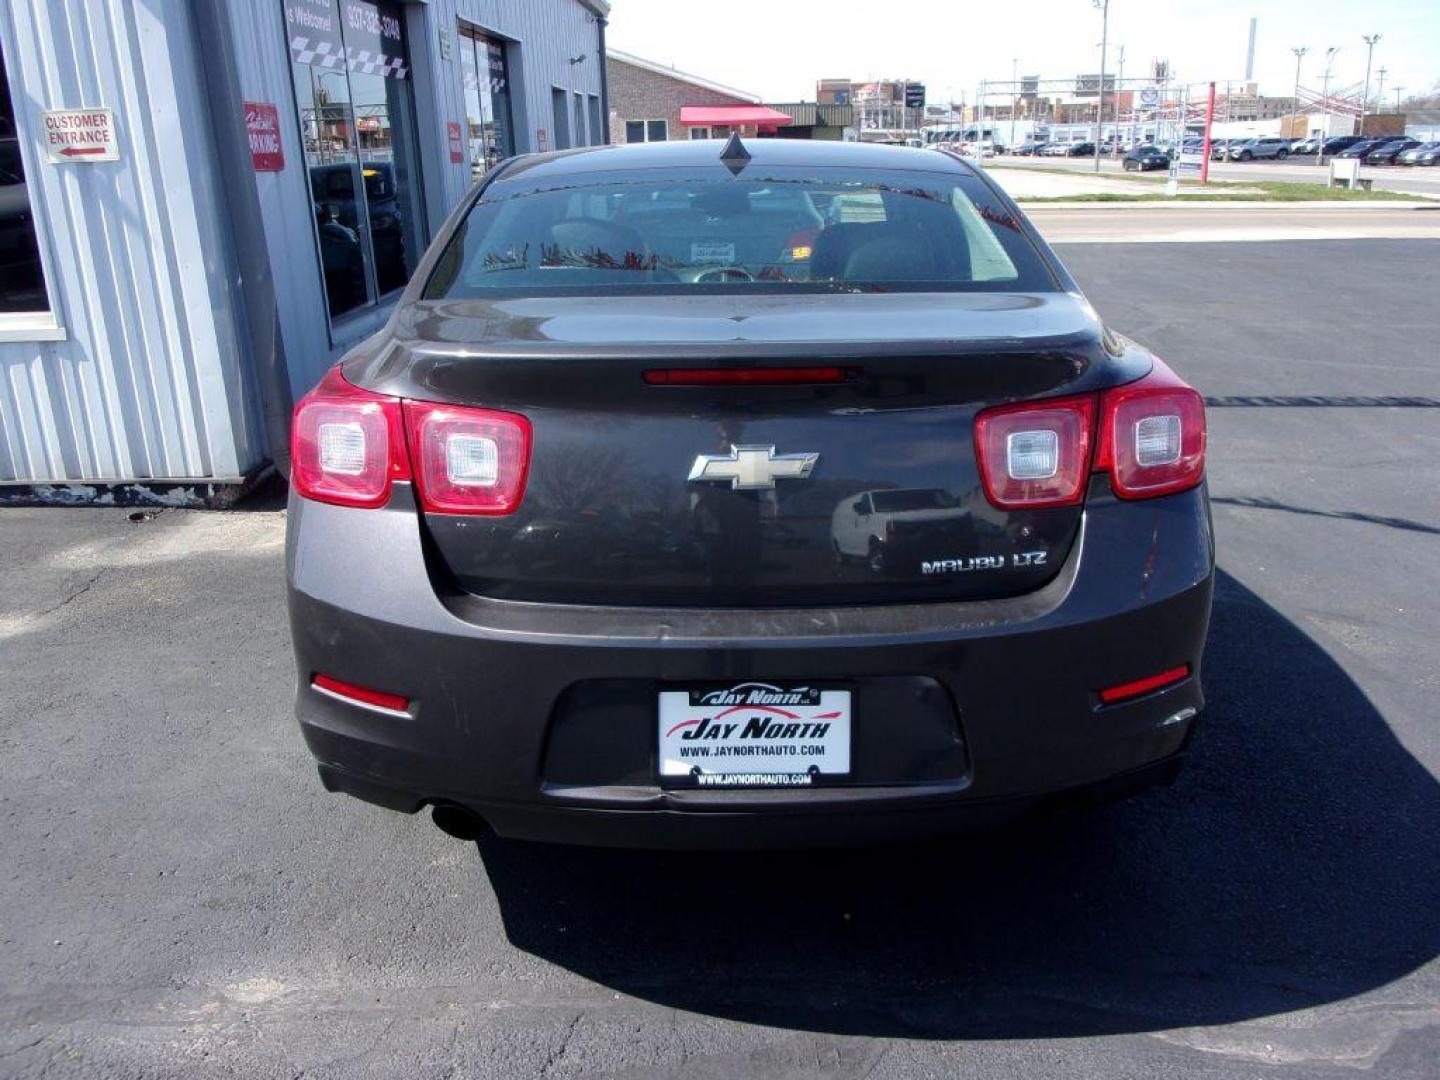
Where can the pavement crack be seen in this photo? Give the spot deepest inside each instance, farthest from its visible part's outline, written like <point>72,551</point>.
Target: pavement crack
<point>75,594</point>
<point>556,1055</point>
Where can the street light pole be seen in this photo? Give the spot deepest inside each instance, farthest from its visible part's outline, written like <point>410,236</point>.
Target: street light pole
<point>1104,6</point>
<point>1370,40</point>
<point>1299,52</point>
<point>1325,97</point>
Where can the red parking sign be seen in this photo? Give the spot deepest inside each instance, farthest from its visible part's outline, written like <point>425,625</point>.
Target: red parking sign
<point>457,142</point>
<point>262,127</point>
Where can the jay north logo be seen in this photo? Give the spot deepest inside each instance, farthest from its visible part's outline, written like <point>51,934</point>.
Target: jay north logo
<point>770,719</point>
<point>757,694</point>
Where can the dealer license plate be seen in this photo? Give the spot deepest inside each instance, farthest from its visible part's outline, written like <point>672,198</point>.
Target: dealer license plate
<point>754,734</point>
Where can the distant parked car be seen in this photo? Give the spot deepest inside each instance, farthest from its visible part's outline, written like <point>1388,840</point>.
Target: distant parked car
<point>1270,146</point>
<point>1363,147</point>
<point>1386,153</point>
<point>1027,149</point>
<point>1427,153</point>
<point>1083,149</point>
<point>1336,143</point>
<point>1145,158</point>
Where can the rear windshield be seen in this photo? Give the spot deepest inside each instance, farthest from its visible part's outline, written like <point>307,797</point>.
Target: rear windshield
<point>786,230</point>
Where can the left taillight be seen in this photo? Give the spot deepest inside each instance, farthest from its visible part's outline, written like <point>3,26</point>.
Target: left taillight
<point>468,460</point>
<point>347,445</point>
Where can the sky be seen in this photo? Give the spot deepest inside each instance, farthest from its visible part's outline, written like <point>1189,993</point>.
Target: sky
<point>778,48</point>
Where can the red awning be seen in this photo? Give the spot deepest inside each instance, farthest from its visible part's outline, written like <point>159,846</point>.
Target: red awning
<point>734,115</point>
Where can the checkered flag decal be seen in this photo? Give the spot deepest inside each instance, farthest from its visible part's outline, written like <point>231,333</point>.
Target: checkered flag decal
<point>373,63</point>
<point>325,54</point>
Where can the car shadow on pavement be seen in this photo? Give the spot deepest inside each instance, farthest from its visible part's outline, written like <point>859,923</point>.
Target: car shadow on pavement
<point>1293,863</point>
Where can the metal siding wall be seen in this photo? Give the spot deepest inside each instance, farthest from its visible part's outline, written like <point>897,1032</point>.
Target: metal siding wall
<point>263,58</point>
<point>150,381</point>
<point>547,34</point>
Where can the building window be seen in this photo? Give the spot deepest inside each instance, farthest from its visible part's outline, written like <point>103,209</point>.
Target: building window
<point>22,280</point>
<point>646,130</point>
<point>560,117</point>
<point>699,133</point>
<point>597,130</point>
<point>487,99</point>
<point>580,139</point>
<point>351,71</point>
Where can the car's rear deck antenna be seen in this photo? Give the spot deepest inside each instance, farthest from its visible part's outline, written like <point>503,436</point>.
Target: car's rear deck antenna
<point>734,156</point>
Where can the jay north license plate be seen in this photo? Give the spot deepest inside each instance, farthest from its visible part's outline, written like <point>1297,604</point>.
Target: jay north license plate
<point>754,734</point>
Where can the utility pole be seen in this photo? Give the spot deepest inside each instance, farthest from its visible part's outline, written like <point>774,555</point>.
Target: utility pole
<point>1119,89</point>
<point>1325,97</point>
<point>1014,97</point>
<point>1104,6</point>
<point>1299,51</point>
<point>1397,98</point>
<point>1380,93</point>
<point>1370,40</point>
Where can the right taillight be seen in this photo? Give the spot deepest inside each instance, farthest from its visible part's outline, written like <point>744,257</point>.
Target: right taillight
<point>1035,453</point>
<point>1152,435</point>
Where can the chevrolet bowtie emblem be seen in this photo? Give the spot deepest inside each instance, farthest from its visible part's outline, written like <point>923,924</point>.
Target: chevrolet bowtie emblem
<point>752,468</point>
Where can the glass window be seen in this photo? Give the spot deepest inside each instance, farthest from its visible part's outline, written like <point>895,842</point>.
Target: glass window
<point>787,229</point>
<point>597,130</point>
<point>22,282</point>
<point>487,99</point>
<point>560,117</point>
<point>699,133</point>
<point>580,139</point>
<point>646,130</point>
<point>357,122</point>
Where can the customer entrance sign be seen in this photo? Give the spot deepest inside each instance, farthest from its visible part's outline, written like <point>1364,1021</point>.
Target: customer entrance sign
<point>79,135</point>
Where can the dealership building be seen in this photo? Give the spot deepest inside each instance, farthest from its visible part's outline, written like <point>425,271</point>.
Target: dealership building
<point>204,203</point>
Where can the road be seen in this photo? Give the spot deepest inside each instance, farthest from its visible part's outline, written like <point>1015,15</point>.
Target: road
<point>1419,180</point>
<point>180,898</point>
<point>1112,223</point>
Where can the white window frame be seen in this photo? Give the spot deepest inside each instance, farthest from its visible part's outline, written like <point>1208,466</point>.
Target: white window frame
<point>34,325</point>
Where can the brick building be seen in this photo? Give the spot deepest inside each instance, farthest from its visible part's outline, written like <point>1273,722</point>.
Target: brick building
<point>650,102</point>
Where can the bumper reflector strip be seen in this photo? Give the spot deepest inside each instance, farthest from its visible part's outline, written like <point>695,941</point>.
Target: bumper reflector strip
<point>361,695</point>
<point>1112,694</point>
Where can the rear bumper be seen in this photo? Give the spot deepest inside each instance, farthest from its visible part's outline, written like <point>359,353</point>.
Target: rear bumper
<point>541,718</point>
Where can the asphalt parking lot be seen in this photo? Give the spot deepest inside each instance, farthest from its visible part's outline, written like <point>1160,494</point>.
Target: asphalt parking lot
<point>180,898</point>
<point>1420,180</point>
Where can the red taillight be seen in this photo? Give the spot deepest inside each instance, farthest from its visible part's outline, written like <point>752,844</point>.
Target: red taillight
<point>1152,435</point>
<point>346,445</point>
<point>788,376</point>
<point>1036,453</point>
<point>1151,440</point>
<point>363,694</point>
<point>468,461</point>
<point>1112,694</point>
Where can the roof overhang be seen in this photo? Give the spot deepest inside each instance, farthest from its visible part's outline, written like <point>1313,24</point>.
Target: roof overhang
<point>734,115</point>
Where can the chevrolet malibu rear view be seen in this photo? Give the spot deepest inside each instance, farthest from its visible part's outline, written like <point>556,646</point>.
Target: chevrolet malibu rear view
<point>716,495</point>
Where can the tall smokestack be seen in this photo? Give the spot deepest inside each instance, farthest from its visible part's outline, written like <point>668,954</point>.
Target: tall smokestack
<point>1250,52</point>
